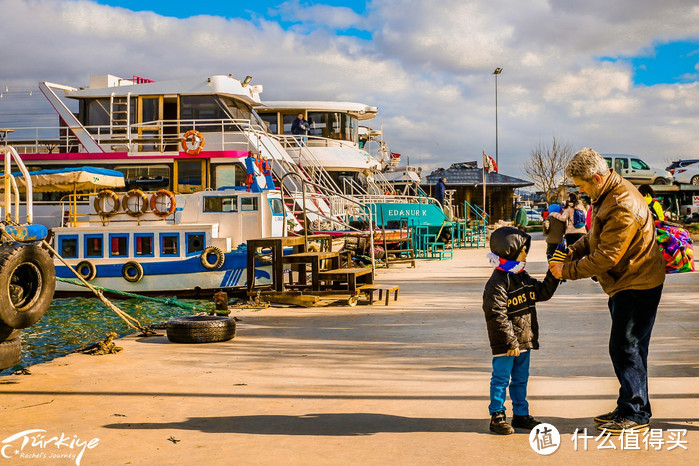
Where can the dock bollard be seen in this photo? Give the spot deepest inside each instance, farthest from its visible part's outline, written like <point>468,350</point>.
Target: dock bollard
<point>221,301</point>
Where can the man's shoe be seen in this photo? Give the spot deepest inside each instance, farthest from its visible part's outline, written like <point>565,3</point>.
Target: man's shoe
<point>499,425</point>
<point>524,422</point>
<point>609,417</point>
<point>620,424</point>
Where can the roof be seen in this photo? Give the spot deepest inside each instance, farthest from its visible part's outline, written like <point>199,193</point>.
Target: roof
<point>359,110</point>
<point>469,174</point>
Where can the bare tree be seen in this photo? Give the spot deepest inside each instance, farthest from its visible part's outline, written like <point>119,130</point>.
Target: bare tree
<point>546,166</point>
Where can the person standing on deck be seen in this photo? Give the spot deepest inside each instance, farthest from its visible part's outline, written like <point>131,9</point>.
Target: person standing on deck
<point>440,190</point>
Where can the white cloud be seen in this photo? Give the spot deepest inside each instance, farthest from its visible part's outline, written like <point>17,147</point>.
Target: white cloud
<point>428,67</point>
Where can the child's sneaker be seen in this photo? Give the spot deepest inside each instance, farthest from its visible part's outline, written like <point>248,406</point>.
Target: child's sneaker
<point>524,422</point>
<point>499,425</point>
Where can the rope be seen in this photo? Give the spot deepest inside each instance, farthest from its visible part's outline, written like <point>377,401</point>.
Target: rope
<point>169,301</point>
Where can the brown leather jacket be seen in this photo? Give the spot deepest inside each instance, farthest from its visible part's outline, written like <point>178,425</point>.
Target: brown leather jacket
<point>620,248</point>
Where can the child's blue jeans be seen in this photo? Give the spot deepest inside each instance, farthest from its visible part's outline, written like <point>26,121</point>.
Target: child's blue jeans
<point>504,369</point>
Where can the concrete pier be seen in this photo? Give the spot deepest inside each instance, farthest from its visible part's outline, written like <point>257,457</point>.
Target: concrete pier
<point>401,384</point>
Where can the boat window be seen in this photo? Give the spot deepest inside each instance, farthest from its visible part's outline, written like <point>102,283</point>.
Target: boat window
<point>118,245</point>
<point>97,113</point>
<point>207,111</point>
<point>237,109</point>
<point>248,204</point>
<point>145,177</point>
<point>169,244</point>
<point>638,164</point>
<point>220,203</point>
<point>228,176</point>
<point>93,246</point>
<point>270,120</point>
<point>276,205</point>
<point>189,176</point>
<point>68,246</point>
<point>333,125</point>
<point>143,245</point>
<point>288,120</point>
<point>195,242</point>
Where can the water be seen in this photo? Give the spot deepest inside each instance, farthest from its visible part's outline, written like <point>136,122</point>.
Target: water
<point>73,323</point>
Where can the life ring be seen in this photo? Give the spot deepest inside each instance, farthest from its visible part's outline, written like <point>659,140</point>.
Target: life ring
<point>87,270</point>
<point>154,203</point>
<point>218,256</point>
<point>132,271</point>
<point>100,205</point>
<point>142,200</point>
<point>196,140</point>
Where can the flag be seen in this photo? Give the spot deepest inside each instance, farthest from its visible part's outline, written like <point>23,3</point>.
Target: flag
<point>489,164</point>
<point>395,155</point>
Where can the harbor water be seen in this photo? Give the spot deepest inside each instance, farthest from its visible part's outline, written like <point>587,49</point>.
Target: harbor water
<point>73,323</point>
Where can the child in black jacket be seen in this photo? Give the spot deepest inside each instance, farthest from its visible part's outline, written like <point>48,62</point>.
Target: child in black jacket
<point>509,304</point>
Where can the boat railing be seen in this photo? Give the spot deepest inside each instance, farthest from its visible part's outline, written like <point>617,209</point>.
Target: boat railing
<point>150,136</point>
<point>11,198</point>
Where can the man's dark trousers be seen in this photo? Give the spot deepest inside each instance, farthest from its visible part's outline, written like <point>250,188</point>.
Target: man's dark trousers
<point>633,315</point>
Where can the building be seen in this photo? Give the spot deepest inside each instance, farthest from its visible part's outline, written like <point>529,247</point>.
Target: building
<point>466,180</point>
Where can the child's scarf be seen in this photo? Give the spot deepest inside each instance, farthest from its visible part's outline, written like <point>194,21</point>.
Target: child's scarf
<point>505,265</point>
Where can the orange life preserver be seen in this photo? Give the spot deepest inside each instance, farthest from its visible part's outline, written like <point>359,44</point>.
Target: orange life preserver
<point>248,181</point>
<point>197,140</point>
<point>154,206</point>
<point>137,193</point>
<point>99,203</point>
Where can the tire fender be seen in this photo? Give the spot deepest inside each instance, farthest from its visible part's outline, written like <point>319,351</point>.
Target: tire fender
<point>206,259</point>
<point>132,272</point>
<point>27,272</point>
<point>86,269</point>
<point>200,329</point>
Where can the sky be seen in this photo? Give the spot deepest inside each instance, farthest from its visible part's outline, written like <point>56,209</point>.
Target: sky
<point>620,77</point>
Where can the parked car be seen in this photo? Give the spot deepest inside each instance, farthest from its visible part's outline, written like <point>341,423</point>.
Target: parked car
<point>689,174</point>
<point>534,215</point>
<point>680,164</point>
<point>636,170</point>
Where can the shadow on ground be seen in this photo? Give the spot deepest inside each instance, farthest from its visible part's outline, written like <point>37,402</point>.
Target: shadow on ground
<point>352,424</point>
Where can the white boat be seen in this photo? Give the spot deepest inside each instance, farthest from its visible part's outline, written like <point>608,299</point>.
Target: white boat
<point>158,242</point>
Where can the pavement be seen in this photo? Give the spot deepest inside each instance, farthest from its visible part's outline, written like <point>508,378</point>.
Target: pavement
<point>402,384</point>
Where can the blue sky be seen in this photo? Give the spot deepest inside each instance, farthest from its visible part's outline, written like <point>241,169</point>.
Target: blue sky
<point>620,77</point>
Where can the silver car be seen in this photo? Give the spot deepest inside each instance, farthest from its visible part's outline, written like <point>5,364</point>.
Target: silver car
<point>636,170</point>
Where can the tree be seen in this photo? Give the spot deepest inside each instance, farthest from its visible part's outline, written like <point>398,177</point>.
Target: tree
<point>546,166</point>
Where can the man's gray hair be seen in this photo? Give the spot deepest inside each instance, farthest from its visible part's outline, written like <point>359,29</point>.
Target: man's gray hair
<point>585,163</point>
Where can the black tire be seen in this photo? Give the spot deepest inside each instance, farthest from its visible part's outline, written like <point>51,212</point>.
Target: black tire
<point>132,272</point>
<point>200,329</point>
<point>86,269</point>
<point>8,333</point>
<point>660,181</point>
<point>27,283</point>
<point>212,258</point>
<point>10,353</point>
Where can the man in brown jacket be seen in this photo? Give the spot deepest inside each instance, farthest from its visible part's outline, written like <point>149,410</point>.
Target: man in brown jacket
<point>621,252</point>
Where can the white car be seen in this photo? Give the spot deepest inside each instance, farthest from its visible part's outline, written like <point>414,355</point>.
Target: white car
<point>534,216</point>
<point>687,175</point>
<point>636,170</point>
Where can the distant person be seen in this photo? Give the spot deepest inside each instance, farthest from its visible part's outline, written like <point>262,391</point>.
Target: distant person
<point>656,210</point>
<point>509,301</point>
<point>440,190</point>
<point>621,252</point>
<point>520,217</point>
<point>300,128</point>
<point>554,229</point>
<point>574,215</point>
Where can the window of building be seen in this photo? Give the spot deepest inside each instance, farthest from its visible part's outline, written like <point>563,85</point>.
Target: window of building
<point>195,242</point>
<point>118,245</point>
<point>169,244</point>
<point>220,203</point>
<point>68,246</point>
<point>143,245</point>
<point>94,246</point>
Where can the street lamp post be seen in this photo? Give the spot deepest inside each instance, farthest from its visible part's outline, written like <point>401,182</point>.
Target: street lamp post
<point>496,73</point>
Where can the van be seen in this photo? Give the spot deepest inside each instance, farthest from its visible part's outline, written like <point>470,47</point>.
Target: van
<point>636,170</point>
